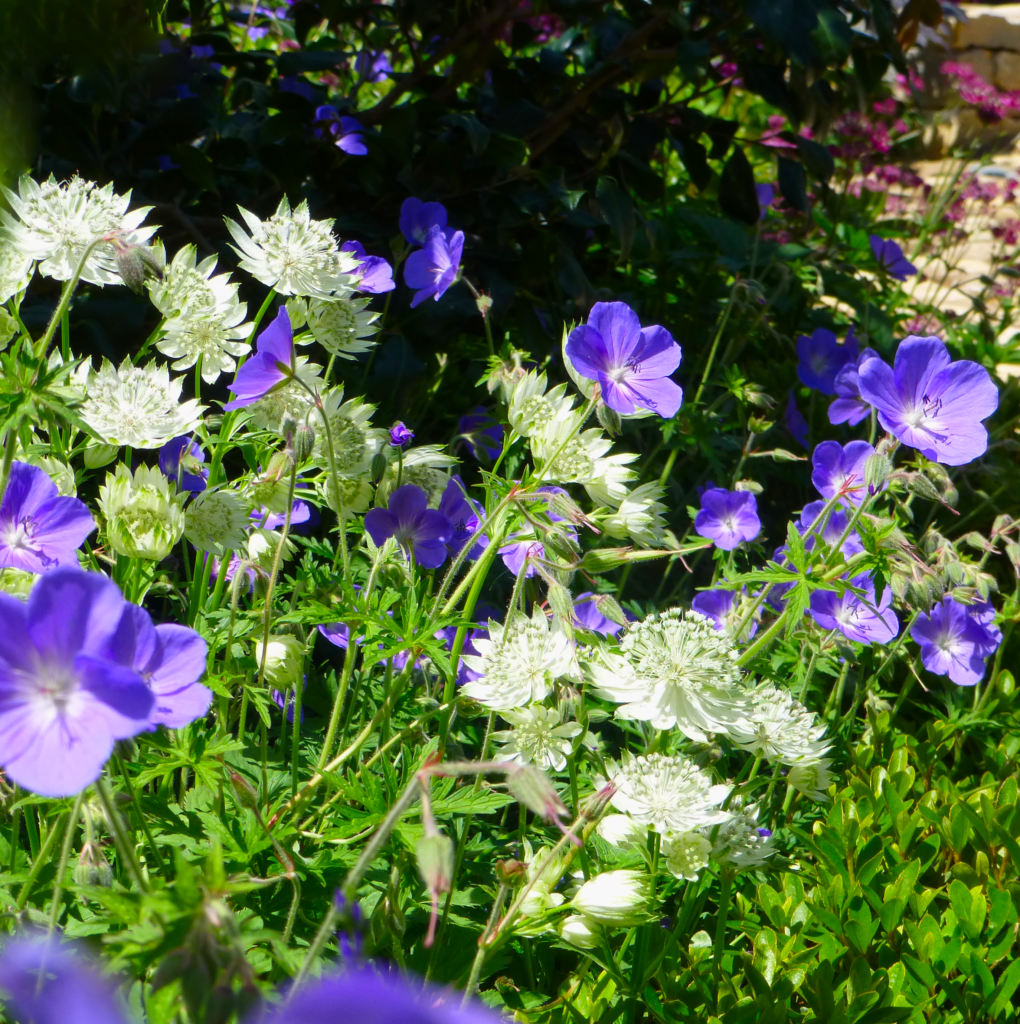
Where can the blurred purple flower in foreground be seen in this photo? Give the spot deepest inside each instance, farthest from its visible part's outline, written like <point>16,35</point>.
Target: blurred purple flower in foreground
<point>179,460</point>
<point>849,407</point>
<point>822,357</point>
<point>433,269</point>
<point>857,618</point>
<point>63,701</point>
<point>955,640</point>
<point>931,403</point>
<point>890,258</point>
<point>728,517</point>
<point>39,528</point>
<point>631,363</point>
<point>417,528</point>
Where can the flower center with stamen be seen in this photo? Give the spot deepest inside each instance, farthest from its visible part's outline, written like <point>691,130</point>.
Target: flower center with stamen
<point>18,536</point>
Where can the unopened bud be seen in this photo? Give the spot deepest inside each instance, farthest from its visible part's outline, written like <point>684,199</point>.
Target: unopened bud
<point>435,856</point>
<point>598,560</point>
<point>876,469</point>
<point>615,897</point>
<point>379,465</point>
<point>759,425</point>
<point>135,264</point>
<point>245,793</point>
<point>609,419</point>
<point>279,466</point>
<point>303,443</point>
<point>920,485</point>
<point>610,608</point>
<point>98,455</point>
<point>510,872</point>
<point>484,304</point>
<point>93,868</point>
<point>532,787</point>
<point>562,605</point>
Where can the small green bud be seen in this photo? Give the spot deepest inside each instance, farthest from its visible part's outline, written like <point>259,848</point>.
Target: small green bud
<point>92,867</point>
<point>135,264</point>
<point>303,443</point>
<point>531,787</point>
<point>876,469</point>
<point>435,856</point>
<point>484,304</point>
<point>609,420</point>
<point>285,659</point>
<point>143,518</point>
<point>245,793</point>
<point>605,559</point>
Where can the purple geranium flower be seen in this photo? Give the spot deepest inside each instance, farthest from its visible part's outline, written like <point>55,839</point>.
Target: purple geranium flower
<point>417,527</point>
<point>831,531</point>
<point>433,269</point>
<point>286,703</point>
<point>956,639</point>
<point>348,135</point>
<point>822,357</point>
<point>723,609</point>
<point>849,407</point>
<point>418,218</point>
<point>374,274</point>
<point>300,512</point>
<point>45,982</point>
<point>339,634</point>
<point>400,436</point>
<point>288,83</point>
<point>372,67</point>
<point>178,460</point>
<point>371,998</point>
<point>890,258</point>
<point>465,516</point>
<point>170,658</point>
<point>795,422</point>
<point>271,366</point>
<point>838,469</point>
<point>520,547</point>
<point>766,193</point>
<point>63,701</point>
<point>588,615</point>
<point>482,434</point>
<point>39,528</point>
<point>728,517</point>
<point>860,619</point>
<point>631,363</point>
<point>931,403</point>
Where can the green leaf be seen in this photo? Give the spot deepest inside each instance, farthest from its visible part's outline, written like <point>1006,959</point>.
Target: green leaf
<point>617,208</point>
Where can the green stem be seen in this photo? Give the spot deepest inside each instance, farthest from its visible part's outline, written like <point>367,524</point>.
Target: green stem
<point>65,853</point>
<point>338,703</point>
<point>715,342</point>
<point>479,960</point>
<point>120,837</point>
<point>43,344</point>
<point>726,889</point>
<point>765,639</point>
<point>10,447</point>
<point>41,859</point>
<point>296,742</point>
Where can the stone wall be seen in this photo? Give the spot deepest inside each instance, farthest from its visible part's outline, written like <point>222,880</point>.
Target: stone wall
<point>990,42</point>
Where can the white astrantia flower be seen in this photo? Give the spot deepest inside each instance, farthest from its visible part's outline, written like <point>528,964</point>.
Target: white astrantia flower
<point>580,931</point>
<point>674,669</point>
<point>292,253</point>
<point>686,854</point>
<point>779,728</point>
<point>215,521</point>
<point>15,270</point>
<point>344,327</point>
<point>55,222</point>
<point>355,494</point>
<point>518,662</point>
<point>203,315</point>
<point>137,405</point>
<point>531,409</point>
<point>615,897</point>
<point>812,779</point>
<point>57,470</point>
<point>355,440</point>
<point>144,517</point>
<point>17,582</point>
<point>262,545</point>
<point>740,841</point>
<point>639,517</point>
<point>289,400</point>
<point>667,793</point>
<point>537,737</point>
<point>545,870</point>
<point>285,657</point>
<point>621,830</point>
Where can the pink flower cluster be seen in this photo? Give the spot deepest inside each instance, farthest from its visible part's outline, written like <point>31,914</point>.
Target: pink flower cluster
<point>991,104</point>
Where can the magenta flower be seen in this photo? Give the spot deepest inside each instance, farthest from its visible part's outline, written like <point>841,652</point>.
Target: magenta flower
<point>849,407</point>
<point>45,982</point>
<point>63,700</point>
<point>931,403</point>
<point>433,269</point>
<point>374,274</point>
<point>39,529</point>
<point>728,517</point>
<point>482,434</point>
<point>417,527</point>
<point>271,366</point>
<point>465,516</point>
<point>890,258</point>
<point>955,640</point>
<point>178,460</point>
<point>859,619</point>
<point>839,469</point>
<point>831,531</point>
<point>631,363</point>
<point>723,610</point>
<point>795,422</point>
<point>370,998</point>
<point>418,218</point>
<point>822,357</point>
<point>588,615</point>
<point>170,658</point>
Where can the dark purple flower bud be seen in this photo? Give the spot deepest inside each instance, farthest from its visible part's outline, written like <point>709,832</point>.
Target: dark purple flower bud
<point>400,436</point>
<point>795,422</point>
<point>766,193</point>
